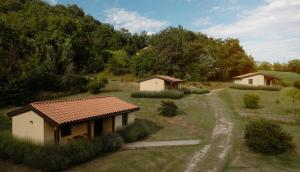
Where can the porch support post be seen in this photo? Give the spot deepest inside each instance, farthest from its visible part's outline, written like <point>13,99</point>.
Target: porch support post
<point>113,124</point>
<point>56,135</point>
<point>89,129</point>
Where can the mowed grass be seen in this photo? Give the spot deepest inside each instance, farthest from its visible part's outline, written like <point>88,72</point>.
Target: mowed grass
<point>286,77</point>
<point>195,121</point>
<point>274,105</point>
<point>243,159</point>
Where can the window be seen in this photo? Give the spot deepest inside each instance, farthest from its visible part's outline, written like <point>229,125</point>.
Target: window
<point>65,131</point>
<point>250,81</point>
<point>124,119</point>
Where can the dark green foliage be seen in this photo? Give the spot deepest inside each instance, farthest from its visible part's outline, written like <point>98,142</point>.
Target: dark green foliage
<point>268,138</point>
<point>56,157</point>
<point>297,84</point>
<point>167,108</point>
<point>138,130</point>
<point>96,84</point>
<point>251,87</point>
<point>74,83</point>
<point>199,91</point>
<point>185,90</point>
<point>251,101</point>
<point>173,94</point>
<point>112,142</point>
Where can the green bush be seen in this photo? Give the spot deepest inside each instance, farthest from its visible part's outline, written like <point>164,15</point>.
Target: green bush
<point>112,142</point>
<point>297,84</point>
<point>96,84</point>
<point>167,108</point>
<point>185,90</point>
<point>251,101</point>
<point>252,87</point>
<point>199,91</point>
<point>173,94</point>
<point>266,137</point>
<point>135,131</point>
<point>56,157</point>
<point>74,83</point>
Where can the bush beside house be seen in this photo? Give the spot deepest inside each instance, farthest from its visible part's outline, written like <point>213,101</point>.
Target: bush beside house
<point>252,87</point>
<point>173,94</point>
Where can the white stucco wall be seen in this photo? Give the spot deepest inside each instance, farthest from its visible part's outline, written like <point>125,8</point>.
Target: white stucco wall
<point>29,125</point>
<point>257,80</point>
<point>118,122</point>
<point>154,84</point>
<point>131,118</point>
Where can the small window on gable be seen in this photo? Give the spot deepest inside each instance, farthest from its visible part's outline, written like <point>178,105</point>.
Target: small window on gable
<point>65,131</point>
<point>250,81</point>
<point>124,119</point>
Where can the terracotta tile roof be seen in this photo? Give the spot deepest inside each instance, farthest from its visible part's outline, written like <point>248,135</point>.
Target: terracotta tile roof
<point>163,77</point>
<point>69,111</point>
<point>253,74</point>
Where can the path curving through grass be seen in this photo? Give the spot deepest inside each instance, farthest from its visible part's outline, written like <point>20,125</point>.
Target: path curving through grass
<point>213,156</point>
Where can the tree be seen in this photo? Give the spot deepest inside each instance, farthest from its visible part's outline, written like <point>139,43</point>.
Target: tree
<point>294,66</point>
<point>293,93</point>
<point>265,66</point>
<point>277,66</point>
<point>119,63</point>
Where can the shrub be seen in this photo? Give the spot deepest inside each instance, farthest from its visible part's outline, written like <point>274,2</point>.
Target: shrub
<point>251,101</point>
<point>297,84</point>
<point>167,108</point>
<point>74,83</point>
<point>173,94</point>
<point>266,137</point>
<point>252,87</point>
<point>185,90</point>
<point>56,157</point>
<point>199,91</point>
<point>112,142</point>
<point>135,131</point>
<point>96,84</point>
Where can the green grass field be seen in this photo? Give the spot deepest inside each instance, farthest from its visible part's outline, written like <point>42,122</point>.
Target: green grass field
<point>195,121</point>
<point>287,77</point>
<point>242,159</point>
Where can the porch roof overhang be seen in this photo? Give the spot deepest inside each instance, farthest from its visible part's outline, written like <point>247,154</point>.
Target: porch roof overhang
<point>66,112</point>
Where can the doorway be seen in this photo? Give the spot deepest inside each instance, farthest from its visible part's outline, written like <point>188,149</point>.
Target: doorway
<point>98,127</point>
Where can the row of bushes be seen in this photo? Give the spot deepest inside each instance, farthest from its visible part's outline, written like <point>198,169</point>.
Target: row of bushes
<point>173,94</point>
<point>60,157</point>
<point>56,157</point>
<point>199,91</point>
<point>252,87</point>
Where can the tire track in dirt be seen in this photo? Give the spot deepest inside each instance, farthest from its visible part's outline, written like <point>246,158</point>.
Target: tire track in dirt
<point>212,157</point>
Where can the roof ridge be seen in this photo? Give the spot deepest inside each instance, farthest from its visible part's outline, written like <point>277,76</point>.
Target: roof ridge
<point>67,100</point>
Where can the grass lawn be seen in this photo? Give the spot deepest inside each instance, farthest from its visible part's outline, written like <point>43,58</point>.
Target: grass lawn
<point>243,159</point>
<point>287,77</point>
<point>194,121</point>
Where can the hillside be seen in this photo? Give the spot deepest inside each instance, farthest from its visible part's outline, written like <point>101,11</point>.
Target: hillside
<point>287,77</point>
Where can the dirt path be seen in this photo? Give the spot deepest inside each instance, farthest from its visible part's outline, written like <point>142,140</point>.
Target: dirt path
<point>145,144</point>
<point>212,157</point>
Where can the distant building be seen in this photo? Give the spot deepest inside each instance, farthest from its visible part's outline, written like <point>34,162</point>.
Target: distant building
<point>256,79</point>
<point>160,83</point>
<point>62,121</point>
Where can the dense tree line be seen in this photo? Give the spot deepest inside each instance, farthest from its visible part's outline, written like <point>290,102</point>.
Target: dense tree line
<point>291,66</point>
<point>53,48</point>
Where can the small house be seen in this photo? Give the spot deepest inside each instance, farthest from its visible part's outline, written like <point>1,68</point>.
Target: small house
<point>62,121</point>
<point>256,79</point>
<point>160,83</point>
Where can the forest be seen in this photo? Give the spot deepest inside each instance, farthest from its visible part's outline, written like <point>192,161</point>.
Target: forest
<point>56,48</point>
